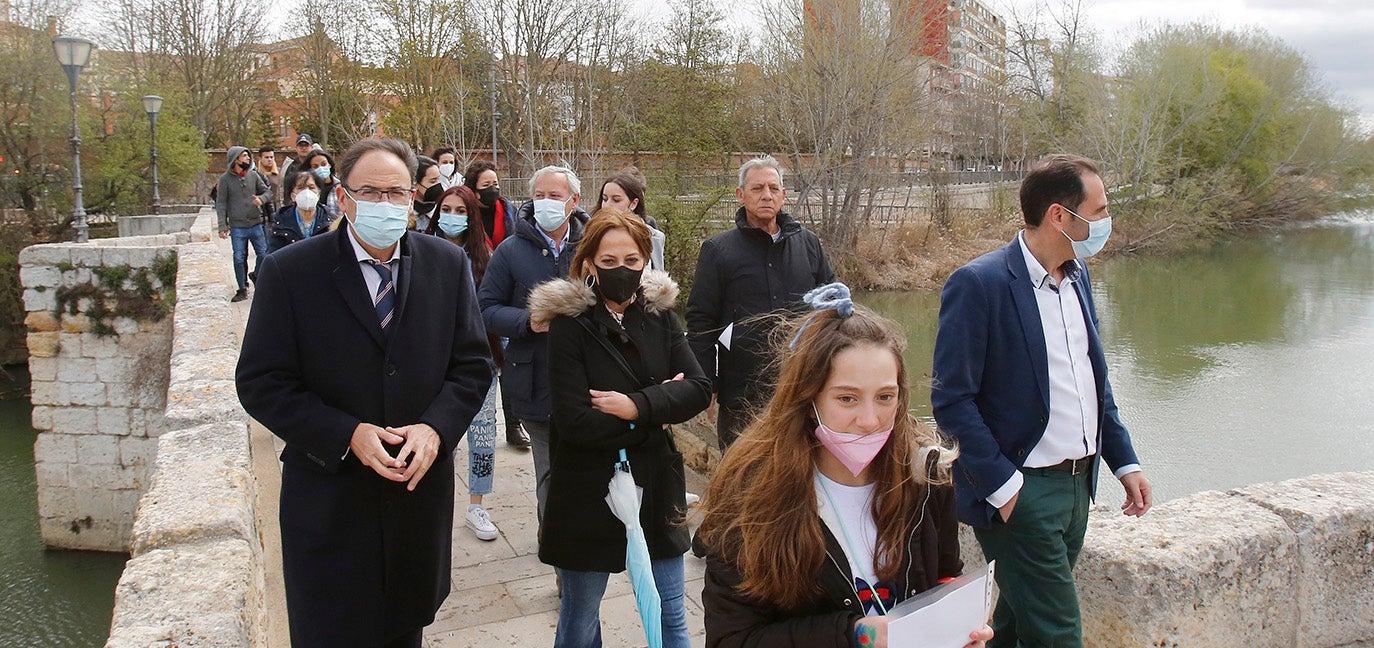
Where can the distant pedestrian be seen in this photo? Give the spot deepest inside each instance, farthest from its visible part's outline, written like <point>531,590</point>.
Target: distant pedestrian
<point>547,233</point>
<point>625,190</point>
<point>302,216</point>
<point>455,221</point>
<point>322,165</point>
<point>304,145</point>
<point>498,221</point>
<point>765,263</point>
<point>239,197</point>
<point>449,171</point>
<point>267,167</point>
<point>427,191</point>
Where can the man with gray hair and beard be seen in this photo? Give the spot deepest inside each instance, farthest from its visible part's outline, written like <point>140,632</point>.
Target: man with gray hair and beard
<point>547,230</point>
<point>765,263</point>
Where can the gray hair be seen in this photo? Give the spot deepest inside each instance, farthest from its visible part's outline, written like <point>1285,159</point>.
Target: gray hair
<point>574,185</point>
<point>765,162</point>
<point>395,147</point>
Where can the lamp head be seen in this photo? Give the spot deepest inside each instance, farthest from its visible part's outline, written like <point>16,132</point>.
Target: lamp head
<point>73,53</point>
<point>152,104</point>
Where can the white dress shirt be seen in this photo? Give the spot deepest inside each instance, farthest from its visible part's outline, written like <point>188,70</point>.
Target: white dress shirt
<point>1071,431</point>
<point>371,277</point>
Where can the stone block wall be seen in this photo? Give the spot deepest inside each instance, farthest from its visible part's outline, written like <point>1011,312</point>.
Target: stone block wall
<point>196,575</point>
<point>99,336</point>
<point>1284,565</point>
<point>153,224</point>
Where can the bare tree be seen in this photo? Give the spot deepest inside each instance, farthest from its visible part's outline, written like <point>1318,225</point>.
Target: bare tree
<point>845,87</point>
<point>207,45</point>
<point>429,41</point>
<point>534,38</point>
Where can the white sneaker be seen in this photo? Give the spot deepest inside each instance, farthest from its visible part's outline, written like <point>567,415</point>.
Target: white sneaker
<point>692,498</point>
<point>480,522</point>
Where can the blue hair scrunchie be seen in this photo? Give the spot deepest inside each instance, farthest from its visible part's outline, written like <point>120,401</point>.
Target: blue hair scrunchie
<point>834,296</point>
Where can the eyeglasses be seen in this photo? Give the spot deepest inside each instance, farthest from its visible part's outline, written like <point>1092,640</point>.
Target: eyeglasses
<point>373,194</point>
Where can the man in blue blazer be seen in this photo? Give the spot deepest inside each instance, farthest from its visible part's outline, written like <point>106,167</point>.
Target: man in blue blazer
<point>1020,381</point>
<point>365,352</point>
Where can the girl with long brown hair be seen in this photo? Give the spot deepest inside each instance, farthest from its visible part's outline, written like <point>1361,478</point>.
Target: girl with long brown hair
<point>835,504</point>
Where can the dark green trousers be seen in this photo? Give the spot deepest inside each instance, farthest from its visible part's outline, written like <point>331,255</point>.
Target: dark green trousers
<point>1035,553</point>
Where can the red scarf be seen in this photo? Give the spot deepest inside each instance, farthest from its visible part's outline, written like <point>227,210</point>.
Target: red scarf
<point>498,233</point>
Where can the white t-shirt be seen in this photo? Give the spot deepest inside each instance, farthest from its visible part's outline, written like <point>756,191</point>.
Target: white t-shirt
<point>851,522</point>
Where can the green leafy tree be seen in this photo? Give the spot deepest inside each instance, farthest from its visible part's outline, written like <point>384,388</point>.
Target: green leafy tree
<point>34,117</point>
<point>117,162</point>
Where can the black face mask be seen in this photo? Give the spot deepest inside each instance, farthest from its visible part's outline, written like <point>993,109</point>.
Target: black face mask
<point>245,165</point>
<point>617,284</point>
<point>432,194</point>
<point>489,195</point>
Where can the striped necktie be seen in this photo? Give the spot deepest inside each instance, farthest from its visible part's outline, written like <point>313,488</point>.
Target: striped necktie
<point>385,301</point>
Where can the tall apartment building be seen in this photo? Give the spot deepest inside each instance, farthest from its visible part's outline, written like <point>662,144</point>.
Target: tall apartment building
<point>963,44</point>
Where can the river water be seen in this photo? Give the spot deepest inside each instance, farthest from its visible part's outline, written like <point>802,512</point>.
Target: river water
<point>1245,363</point>
<point>1248,362</point>
<point>47,598</point>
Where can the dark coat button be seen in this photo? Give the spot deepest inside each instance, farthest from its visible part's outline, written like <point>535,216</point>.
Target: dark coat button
<point>391,370</point>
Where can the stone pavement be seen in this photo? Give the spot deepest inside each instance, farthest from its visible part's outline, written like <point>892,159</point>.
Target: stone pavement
<point>502,595</point>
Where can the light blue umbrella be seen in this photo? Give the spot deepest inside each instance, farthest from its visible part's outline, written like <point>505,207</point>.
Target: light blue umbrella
<point>624,496</point>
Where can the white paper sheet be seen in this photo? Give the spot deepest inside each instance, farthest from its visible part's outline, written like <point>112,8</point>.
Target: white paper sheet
<point>944,616</point>
<point>726,335</point>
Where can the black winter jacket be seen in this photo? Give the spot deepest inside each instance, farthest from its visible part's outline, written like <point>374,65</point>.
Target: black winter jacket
<point>579,532</point>
<point>520,263</point>
<point>734,620</point>
<point>741,273</point>
<point>285,230</point>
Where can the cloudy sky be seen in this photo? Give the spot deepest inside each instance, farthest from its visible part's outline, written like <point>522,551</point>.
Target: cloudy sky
<point>1337,36</point>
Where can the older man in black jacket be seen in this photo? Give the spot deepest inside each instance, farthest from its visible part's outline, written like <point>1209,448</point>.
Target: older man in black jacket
<point>365,352</point>
<point>764,264</point>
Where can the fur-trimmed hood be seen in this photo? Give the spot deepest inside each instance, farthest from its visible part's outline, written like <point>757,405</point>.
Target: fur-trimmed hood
<point>657,292</point>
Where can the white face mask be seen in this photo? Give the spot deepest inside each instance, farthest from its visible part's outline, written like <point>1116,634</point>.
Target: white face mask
<point>1098,232</point>
<point>446,170</point>
<point>380,224</point>
<point>307,199</point>
<point>550,213</point>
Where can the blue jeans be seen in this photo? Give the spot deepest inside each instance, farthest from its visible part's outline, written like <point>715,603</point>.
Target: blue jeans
<point>241,237</point>
<point>482,446</point>
<point>579,607</point>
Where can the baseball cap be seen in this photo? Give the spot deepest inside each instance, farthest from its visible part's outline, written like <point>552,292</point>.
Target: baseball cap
<point>304,138</point>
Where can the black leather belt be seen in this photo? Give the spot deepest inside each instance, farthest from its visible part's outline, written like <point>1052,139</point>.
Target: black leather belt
<point>1071,466</point>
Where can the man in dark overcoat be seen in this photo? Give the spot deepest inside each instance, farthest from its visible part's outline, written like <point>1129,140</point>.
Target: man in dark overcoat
<point>365,352</point>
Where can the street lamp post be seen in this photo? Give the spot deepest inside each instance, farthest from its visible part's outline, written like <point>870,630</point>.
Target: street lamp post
<point>152,104</point>
<point>491,78</point>
<point>73,54</point>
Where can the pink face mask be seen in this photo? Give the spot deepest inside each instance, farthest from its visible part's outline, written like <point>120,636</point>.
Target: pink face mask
<point>855,451</point>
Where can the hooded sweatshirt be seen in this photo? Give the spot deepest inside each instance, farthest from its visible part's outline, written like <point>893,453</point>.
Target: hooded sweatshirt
<point>235,192</point>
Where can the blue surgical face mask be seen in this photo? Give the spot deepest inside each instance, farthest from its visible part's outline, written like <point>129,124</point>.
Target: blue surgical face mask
<point>550,213</point>
<point>380,224</point>
<point>453,225</point>
<point>1098,231</point>
<point>321,173</point>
